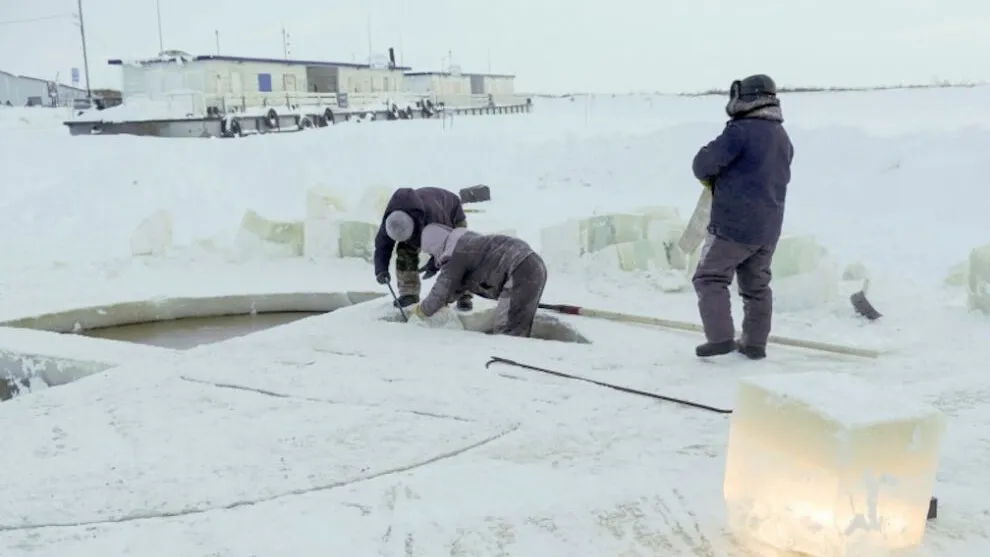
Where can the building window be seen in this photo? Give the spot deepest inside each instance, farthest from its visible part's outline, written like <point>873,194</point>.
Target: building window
<point>265,82</point>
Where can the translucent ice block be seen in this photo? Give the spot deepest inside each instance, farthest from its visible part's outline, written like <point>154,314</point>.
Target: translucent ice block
<point>830,465</point>
<point>979,279</point>
<point>357,239</point>
<point>797,255</point>
<point>258,233</point>
<point>576,237</point>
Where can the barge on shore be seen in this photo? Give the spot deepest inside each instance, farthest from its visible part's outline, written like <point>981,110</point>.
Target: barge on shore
<point>239,116</point>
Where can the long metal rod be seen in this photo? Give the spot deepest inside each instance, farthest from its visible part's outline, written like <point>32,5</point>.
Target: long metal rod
<point>82,35</point>
<point>685,326</point>
<point>161,40</point>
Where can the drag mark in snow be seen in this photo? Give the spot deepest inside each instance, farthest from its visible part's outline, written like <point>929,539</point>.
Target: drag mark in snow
<point>659,527</point>
<point>251,502</point>
<point>322,400</point>
<point>691,536</point>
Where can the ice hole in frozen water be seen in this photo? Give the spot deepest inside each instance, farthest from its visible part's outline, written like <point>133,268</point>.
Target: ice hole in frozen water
<point>60,347</point>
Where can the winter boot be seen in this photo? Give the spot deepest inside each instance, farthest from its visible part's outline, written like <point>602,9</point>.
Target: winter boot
<point>406,301</point>
<point>465,303</point>
<point>710,349</point>
<point>753,352</point>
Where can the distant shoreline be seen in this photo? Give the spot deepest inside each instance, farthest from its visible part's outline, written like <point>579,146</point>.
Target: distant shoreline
<point>797,89</point>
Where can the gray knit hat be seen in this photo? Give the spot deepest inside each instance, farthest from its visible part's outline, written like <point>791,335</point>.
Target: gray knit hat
<point>399,226</point>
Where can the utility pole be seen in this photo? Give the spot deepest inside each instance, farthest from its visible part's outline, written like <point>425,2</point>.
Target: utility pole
<point>369,40</point>
<point>82,35</point>
<point>285,43</point>
<point>161,40</point>
<point>216,34</point>
<point>402,48</point>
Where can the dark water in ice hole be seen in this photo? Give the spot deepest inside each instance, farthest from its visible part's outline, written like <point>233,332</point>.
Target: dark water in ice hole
<point>183,334</point>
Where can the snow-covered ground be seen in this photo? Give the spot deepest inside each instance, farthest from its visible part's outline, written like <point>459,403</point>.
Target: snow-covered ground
<point>348,435</point>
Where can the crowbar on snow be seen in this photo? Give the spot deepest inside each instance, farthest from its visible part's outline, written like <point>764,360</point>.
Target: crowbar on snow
<point>685,326</point>
<point>395,299</point>
<point>620,388</point>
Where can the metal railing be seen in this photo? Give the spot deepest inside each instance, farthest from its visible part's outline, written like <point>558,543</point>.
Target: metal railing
<point>186,103</point>
<point>199,103</point>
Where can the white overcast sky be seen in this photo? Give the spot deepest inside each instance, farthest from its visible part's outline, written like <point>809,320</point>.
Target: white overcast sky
<point>551,45</point>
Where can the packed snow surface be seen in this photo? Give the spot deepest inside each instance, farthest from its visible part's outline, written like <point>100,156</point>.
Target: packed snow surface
<point>353,434</point>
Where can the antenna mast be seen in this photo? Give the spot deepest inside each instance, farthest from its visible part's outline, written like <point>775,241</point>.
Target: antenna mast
<point>286,50</point>
<point>161,40</point>
<point>82,35</point>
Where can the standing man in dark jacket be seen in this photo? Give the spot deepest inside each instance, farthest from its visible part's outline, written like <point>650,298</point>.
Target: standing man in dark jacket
<point>407,213</point>
<point>748,168</point>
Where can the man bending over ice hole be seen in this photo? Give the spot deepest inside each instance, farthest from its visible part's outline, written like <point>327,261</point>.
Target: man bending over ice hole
<point>492,266</point>
<point>748,168</point>
<point>407,212</point>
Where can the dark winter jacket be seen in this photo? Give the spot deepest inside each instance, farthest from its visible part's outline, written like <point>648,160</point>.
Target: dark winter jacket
<point>426,206</point>
<point>749,167</point>
<point>470,262</point>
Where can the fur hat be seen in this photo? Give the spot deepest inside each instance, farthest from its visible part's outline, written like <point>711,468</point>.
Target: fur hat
<point>399,226</point>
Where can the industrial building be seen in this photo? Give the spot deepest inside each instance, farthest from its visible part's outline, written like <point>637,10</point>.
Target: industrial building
<point>176,74</point>
<point>457,83</point>
<point>21,90</point>
<point>437,83</point>
<point>180,95</point>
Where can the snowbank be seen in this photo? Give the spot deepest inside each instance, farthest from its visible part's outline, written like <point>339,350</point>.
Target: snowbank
<point>19,119</point>
<point>396,435</point>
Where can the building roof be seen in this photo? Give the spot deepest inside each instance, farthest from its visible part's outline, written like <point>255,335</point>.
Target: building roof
<point>448,74</point>
<point>284,62</point>
<point>39,80</point>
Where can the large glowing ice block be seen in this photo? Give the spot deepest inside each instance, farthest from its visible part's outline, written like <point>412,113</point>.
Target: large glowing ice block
<point>829,465</point>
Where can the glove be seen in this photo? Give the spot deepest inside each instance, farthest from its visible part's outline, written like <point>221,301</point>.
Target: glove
<point>429,269</point>
<point>383,277</point>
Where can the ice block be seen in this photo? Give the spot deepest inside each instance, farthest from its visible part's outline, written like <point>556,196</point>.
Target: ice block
<point>830,465</point>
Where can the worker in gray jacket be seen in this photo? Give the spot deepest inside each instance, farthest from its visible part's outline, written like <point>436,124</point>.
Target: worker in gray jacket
<point>492,266</point>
